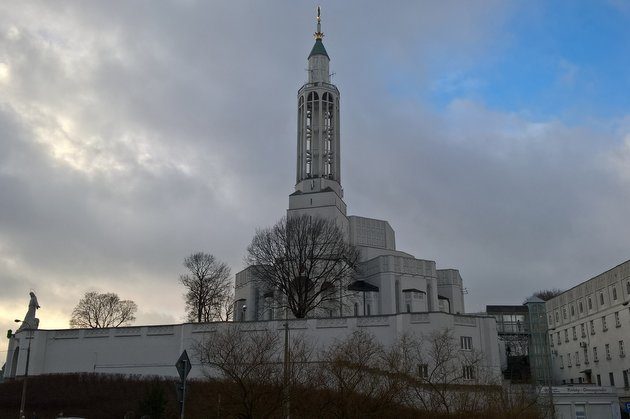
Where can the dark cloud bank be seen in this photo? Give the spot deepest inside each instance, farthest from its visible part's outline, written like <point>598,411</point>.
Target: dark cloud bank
<point>132,135</point>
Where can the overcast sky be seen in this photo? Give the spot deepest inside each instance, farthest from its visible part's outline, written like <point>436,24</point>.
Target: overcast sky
<point>493,136</point>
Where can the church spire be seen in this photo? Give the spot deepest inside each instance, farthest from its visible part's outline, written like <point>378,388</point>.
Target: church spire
<point>318,151</point>
<point>318,48</point>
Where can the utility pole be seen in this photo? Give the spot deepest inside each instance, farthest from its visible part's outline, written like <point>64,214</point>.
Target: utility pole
<point>25,380</point>
<point>287,401</point>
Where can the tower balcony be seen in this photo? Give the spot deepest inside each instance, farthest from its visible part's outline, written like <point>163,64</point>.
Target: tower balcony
<point>323,85</point>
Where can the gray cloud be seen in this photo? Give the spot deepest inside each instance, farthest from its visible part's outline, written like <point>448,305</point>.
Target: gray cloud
<point>132,134</point>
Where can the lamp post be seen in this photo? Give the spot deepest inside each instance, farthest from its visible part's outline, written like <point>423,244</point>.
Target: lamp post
<point>24,382</point>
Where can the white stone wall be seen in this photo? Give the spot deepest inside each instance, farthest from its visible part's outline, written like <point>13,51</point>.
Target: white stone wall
<point>153,350</point>
<point>450,285</point>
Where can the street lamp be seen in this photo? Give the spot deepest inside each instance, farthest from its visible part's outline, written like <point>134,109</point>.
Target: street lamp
<point>28,357</point>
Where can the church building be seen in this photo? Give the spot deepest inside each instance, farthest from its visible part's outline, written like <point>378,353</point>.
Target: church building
<point>390,281</point>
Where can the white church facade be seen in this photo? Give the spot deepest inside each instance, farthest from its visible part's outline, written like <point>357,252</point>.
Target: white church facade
<point>390,281</point>
<point>394,294</point>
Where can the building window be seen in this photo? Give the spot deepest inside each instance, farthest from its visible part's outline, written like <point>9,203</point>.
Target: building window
<point>595,358</point>
<point>566,335</point>
<point>628,287</point>
<point>622,353</point>
<point>611,377</point>
<point>466,342</point>
<point>577,358</point>
<point>599,380</point>
<point>356,309</point>
<point>581,307</point>
<point>550,319</point>
<point>557,317</point>
<point>551,339</point>
<point>604,327</point>
<point>614,293</point>
<point>408,308</point>
<point>592,327</point>
<point>586,355</point>
<point>583,330</point>
<point>590,303</point>
<point>423,370</point>
<point>574,333</point>
<point>625,379</point>
<point>601,298</point>
<point>569,360</point>
<point>580,410</point>
<point>608,351</point>
<point>561,361</point>
<point>558,336</point>
<point>564,313</point>
<point>468,372</point>
<point>617,320</point>
<point>572,310</point>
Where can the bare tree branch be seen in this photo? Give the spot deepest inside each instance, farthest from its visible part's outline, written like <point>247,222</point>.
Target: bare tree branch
<point>96,310</point>
<point>208,287</point>
<point>305,261</point>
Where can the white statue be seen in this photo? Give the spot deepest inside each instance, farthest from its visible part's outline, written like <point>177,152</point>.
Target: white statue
<point>30,321</point>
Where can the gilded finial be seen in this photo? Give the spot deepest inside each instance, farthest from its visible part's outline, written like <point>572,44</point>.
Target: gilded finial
<point>319,34</point>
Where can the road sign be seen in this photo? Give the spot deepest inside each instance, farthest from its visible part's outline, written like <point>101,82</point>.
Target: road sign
<point>183,365</point>
<point>627,406</point>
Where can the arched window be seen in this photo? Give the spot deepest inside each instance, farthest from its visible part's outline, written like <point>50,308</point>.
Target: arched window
<point>328,109</point>
<point>311,111</point>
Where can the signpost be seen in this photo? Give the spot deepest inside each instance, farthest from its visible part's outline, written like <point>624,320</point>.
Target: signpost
<point>183,368</point>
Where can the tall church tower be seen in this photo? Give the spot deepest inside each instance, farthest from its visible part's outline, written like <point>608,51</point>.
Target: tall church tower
<point>318,176</point>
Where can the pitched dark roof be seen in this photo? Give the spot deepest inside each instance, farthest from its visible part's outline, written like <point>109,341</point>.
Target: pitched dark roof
<point>318,49</point>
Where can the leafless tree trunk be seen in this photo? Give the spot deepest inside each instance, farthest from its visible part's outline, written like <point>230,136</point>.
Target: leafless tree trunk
<point>304,261</point>
<point>208,287</point>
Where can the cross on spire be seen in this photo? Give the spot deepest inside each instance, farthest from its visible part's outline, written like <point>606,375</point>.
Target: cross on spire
<point>319,34</point>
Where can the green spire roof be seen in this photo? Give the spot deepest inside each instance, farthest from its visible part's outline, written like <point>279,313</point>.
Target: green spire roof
<point>318,49</point>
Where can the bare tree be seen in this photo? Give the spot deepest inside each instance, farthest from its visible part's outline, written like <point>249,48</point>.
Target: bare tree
<point>226,311</point>
<point>356,370</point>
<point>96,310</point>
<point>251,361</point>
<point>439,376</point>
<point>305,261</point>
<point>208,287</point>
<point>547,295</point>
